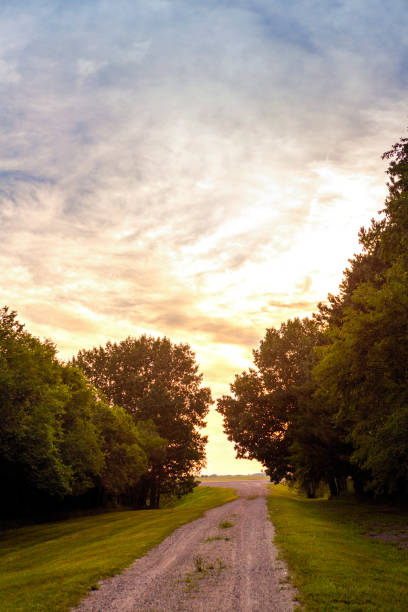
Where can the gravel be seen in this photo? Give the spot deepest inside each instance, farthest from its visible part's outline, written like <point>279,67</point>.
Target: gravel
<point>204,567</point>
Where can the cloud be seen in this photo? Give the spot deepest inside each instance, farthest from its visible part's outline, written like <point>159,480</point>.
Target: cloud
<point>58,317</point>
<point>189,168</point>
<point>217,329</point>
<point>292,305</point>
<point>192,169</point>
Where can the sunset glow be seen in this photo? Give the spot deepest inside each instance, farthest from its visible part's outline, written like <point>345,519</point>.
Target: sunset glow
<point>194,170</point>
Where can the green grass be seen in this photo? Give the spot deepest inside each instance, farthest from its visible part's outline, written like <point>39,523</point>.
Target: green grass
<point>50,567</point>
<point>333,562</point>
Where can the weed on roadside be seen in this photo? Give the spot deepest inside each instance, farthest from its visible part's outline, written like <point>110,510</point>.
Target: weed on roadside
<point>199,564</point>
<point>189,580</point>
<point>225,525</point>
<point>216,565</point>
<point>218,537</point>
<point>219,564</point>
<point>202,568</point>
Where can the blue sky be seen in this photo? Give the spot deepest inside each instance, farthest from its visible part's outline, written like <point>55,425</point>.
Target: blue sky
<point>193,169</point>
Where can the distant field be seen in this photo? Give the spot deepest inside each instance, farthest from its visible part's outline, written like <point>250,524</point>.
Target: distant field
<point>340,552</point>
<point>49,567</point>
<point>228,477</point>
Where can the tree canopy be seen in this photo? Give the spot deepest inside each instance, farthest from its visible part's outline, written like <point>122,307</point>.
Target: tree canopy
<point>259,415</point>
<point>328,397</point>
<point>363,372</point>
<point>58,437</point>
<point>152,378</point>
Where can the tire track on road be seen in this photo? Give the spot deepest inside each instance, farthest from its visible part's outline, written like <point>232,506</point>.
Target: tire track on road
<point>202,567</point>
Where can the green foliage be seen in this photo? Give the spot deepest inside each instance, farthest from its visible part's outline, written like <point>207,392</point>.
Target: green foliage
<point>80,445</point>
<point>58,439</point>
<point>157,381</point>
<point>32,399</point>
<point>123,449</point>
<point>363,373</point>
<point>271,417</point>
<point>329,397</point>
<point>319,452</point>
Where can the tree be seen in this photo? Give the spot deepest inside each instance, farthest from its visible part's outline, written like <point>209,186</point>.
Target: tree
<point>259,415</point>
<point>153,379</point>
<point>273,415</point>
<point>319,452</point>
<point>364,267</point>
<point>80,445</point>
<point>389,236</point>
<point>32,398</point>
<point>122,444</point>
<point>363,373</point>
<point>59,439</point>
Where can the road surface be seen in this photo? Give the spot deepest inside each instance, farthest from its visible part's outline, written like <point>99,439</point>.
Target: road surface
<point>223,562</point>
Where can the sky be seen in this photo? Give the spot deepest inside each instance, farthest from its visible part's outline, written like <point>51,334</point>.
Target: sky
<point>194,169</point>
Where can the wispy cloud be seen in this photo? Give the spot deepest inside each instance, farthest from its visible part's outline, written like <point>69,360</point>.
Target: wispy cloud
<point>192,169</point>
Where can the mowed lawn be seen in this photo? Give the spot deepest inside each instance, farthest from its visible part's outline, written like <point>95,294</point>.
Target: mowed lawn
<point>332,561</point>
<point>50,567</point>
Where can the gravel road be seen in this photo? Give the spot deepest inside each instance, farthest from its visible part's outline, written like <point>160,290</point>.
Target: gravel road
<point>204,566</point>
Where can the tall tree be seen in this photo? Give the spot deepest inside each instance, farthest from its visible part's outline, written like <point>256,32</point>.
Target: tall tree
<point>32,398</point>
<point>154,379</point>
<point>364,375</point>
<point>363,372</point>
<point>58,438</point>
<point>260,414</point>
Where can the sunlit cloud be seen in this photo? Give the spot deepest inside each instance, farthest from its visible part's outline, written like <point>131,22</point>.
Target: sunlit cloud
<point>195,170</point>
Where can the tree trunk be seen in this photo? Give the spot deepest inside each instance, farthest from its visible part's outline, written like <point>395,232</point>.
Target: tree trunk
<point>154,492</point>
<point>334,490</point>
<point>311,490</point>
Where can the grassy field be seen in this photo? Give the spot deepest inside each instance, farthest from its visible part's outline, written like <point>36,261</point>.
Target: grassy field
<point>50,567</point>
<point>332,559</point>
<point>228,478</point>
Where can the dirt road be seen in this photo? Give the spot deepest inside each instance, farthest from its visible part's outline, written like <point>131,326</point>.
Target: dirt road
<point>222,562</point>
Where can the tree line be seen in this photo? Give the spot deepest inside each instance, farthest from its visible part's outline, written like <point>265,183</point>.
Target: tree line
<point>117,424</point>
<point>327,396</point>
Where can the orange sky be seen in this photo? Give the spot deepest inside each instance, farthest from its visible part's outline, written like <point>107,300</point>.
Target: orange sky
<point>195,170</point>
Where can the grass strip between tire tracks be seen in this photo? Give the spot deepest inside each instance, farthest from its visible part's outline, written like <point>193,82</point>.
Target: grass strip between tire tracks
<point>50,567</point>
<point>333,562</point>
